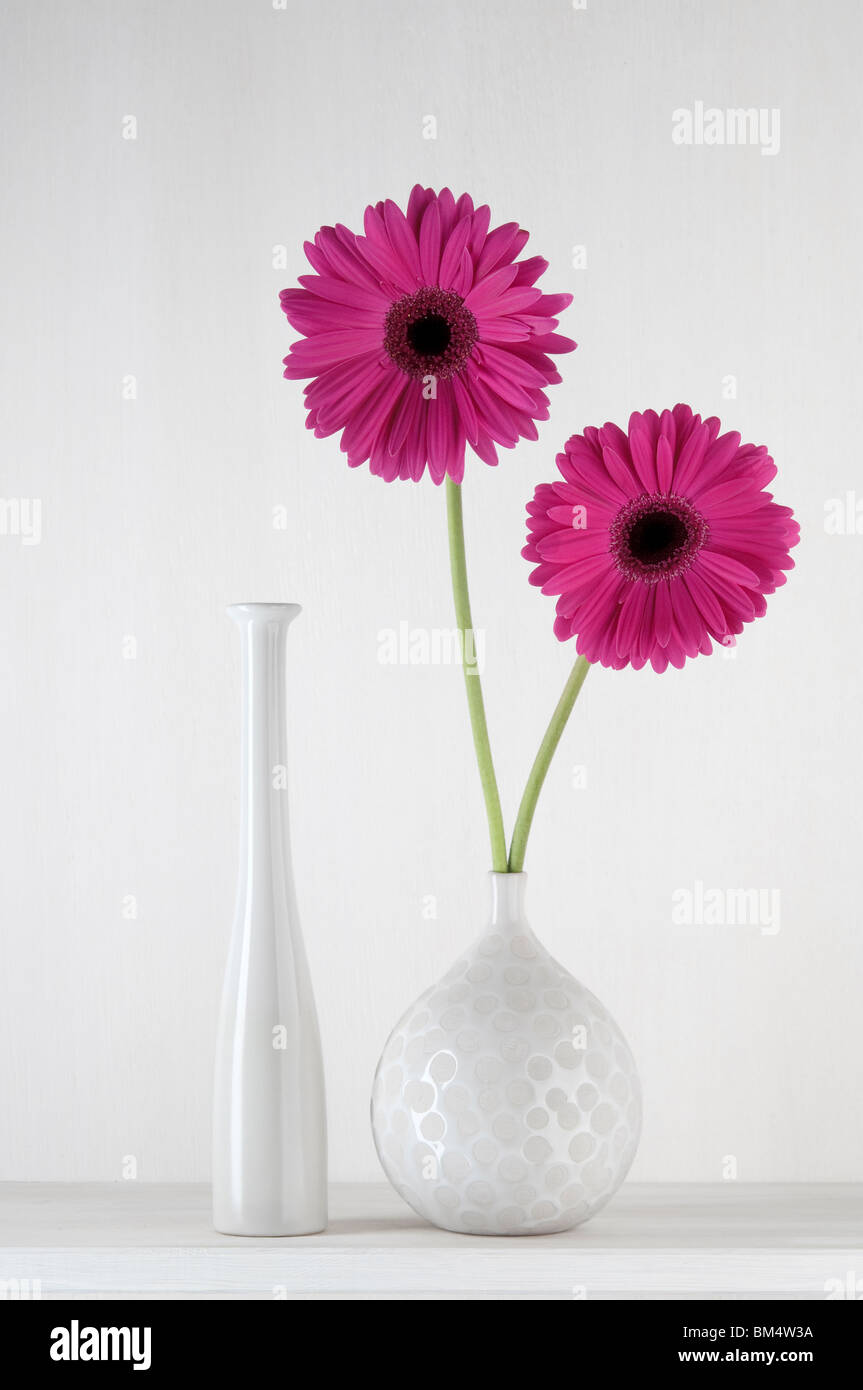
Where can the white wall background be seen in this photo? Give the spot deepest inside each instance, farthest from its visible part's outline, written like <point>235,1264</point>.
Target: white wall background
<point>153,257</point>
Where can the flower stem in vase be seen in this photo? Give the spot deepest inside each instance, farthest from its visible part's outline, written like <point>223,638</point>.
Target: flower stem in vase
<point>473,686</point>
<point>542,761</point>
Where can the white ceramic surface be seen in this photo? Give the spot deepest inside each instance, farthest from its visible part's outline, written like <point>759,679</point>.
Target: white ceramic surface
<point>506,1101</point>
<point>269,1121</point>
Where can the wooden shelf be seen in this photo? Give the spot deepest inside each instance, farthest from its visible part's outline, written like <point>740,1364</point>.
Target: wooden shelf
<point>654,1241</point>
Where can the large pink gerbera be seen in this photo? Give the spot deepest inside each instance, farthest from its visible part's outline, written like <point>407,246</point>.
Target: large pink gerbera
<point>423,335</point>
<point>658,539</point>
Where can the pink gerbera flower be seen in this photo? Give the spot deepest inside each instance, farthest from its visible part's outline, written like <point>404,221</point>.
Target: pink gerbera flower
<point>658,539</point>
<point>424,335</point>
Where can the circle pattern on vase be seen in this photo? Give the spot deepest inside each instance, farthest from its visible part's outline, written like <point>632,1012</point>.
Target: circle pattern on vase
<point>506,1101</point>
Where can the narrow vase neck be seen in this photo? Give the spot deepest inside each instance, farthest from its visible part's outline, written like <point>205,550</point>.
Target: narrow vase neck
<point>507,901</point>
<point>264,816</point>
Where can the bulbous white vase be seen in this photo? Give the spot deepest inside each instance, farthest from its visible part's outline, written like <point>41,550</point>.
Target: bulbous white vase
<point>269,1116</point>
<point>506,1101</point>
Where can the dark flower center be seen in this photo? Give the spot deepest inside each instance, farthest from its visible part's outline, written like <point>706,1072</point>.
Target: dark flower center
<point>430,333</point>
<point>656,536</point>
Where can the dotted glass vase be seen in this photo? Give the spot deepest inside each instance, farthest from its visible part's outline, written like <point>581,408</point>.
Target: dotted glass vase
<point>506,1101</point>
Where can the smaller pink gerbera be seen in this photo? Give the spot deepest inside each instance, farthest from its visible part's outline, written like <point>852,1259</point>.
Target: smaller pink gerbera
<point>423,336</point>
<point>658,539</point>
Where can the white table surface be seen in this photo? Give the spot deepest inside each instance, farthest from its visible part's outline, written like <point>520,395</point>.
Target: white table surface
<point>137,1240</point>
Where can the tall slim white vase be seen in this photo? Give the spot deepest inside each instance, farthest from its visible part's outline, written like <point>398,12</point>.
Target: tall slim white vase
<point>269,1122</point>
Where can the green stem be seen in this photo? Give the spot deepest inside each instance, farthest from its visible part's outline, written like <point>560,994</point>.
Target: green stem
<point>476,707</point>
<point>541,762</point>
